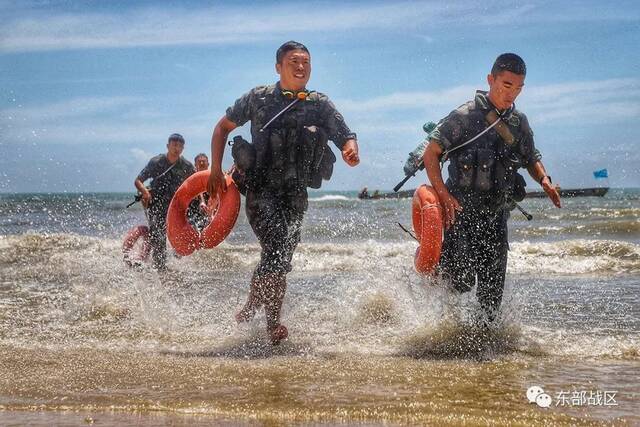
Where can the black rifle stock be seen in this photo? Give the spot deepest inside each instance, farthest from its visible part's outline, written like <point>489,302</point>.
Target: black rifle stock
<point>136,199</point>
<point>406,178</point>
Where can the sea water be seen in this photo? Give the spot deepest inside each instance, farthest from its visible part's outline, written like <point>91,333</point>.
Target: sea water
<point>84,338</point>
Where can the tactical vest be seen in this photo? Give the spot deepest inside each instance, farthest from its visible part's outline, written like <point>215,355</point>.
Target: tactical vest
<point>488,166</point>
<point>292,152</point>
<point>164,186</point>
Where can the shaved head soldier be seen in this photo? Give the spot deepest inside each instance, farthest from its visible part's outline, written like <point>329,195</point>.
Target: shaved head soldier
<point>486,141</point>
<point>290,128</point>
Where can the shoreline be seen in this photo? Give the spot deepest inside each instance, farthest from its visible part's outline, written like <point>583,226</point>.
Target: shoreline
<point>148,388</point>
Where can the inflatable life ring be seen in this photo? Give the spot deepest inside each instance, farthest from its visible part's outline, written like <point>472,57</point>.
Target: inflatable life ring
<point>130,240</point>
<point>183,237</point>
<point>427,225</point>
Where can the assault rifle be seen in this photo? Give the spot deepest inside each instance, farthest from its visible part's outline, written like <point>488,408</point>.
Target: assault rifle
<point>412,173</point>
<point>136,199</point>
<point>415,162</point>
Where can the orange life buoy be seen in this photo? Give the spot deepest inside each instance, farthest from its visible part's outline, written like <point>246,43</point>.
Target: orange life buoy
<point>427,224</point>
<point>183,237</point>
<point>132,237</point>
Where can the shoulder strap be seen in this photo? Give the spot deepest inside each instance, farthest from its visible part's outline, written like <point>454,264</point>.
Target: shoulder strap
<point>502,129</point>
<point>445,155</point>
<point>167,171</point>
<point>495,120</point>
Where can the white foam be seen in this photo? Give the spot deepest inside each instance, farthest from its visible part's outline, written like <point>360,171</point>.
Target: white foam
<point>578,256</point>
<point>328,197</point>
<point>362,297</point>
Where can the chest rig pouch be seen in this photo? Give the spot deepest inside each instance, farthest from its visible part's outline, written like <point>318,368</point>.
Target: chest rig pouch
<point>252,159</point>
<point>510,158</point>
<point>244,159</point>
<point>490,167</point>
<point>294,151</point>
<point>318,159</point>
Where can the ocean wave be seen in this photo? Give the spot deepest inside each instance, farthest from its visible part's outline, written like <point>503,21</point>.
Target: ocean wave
<point>50,254</point>
<point>328,198</point>
<point>66,291</point>
<point>574,257</point>
<point>588,228</point>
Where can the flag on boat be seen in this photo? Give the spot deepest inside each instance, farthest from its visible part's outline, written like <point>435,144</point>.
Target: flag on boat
<point>602,173</point>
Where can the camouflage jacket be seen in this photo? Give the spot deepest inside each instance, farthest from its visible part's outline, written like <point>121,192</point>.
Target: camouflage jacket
<point>488,164</point>
<point>317,110</point>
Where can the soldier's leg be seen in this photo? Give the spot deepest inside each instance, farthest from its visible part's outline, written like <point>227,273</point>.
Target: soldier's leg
<point>267,289</point>
<point>275,284</point>
<point>492,268</point>
<point>293,210</point>
<point>266,214</point>
<point>158,238</point>
<point>253,303</point>
<point>272,290</point>
<point>457,260</point>
<point>258,207</point>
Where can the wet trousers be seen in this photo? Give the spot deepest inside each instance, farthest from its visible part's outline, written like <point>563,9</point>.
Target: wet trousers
<point>157,215</point>
<point>276,219</point>
<point>474,252</point>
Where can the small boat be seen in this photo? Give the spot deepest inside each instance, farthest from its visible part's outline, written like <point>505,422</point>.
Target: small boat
<point>405,194</point>
<point>574,192</point>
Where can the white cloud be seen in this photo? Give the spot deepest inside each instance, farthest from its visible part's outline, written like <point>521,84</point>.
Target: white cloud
<point>75,107</point>
<point>140,155</point>
<point>390,117</point>
<point>611,99</point>
<point>43,30</point>
<point>222,24</point>
<point>410,100</point>
<point>95,120</point>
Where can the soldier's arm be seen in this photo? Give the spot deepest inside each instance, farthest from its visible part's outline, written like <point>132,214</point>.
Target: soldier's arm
<point>144,193</point>
<point>450,205</point>
<point>350,153</point>
<point>218,140</point>
<point>534,164</point>
<point>139,184</point>
<point>236,115</point>
<point>340,133</point>
<point>538,172</point>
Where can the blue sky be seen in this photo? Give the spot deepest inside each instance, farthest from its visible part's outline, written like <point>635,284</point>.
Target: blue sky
<point>90,90</point>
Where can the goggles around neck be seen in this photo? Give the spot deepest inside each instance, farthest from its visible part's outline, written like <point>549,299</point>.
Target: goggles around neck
<point>301,94</point>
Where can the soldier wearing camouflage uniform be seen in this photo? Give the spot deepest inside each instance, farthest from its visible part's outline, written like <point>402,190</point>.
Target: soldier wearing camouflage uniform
<point>482,181</point>
<point>168,172</point>
<point>290,127</point>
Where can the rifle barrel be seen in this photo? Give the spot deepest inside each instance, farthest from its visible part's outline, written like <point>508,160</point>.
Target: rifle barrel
<point>401,183</point>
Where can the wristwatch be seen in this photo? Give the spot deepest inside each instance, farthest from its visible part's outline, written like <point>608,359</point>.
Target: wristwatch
<point>543,177</point>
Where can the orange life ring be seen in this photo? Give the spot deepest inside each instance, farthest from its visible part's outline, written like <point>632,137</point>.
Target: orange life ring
<point>130,240</point>
<point>427,224</point>
<point>183,237</point>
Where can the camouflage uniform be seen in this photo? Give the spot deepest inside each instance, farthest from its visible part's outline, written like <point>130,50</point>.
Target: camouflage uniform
<point>481,178</point>
<point>276,196</point>
<point>163,187</point>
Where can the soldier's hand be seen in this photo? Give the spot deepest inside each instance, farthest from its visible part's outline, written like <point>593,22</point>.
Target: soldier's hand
<point>350,153</point>
<point>204,208</point>
<point>552,191</point>
<point>145,198</point>
<point>217,182</point>
<point>449,207</point>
